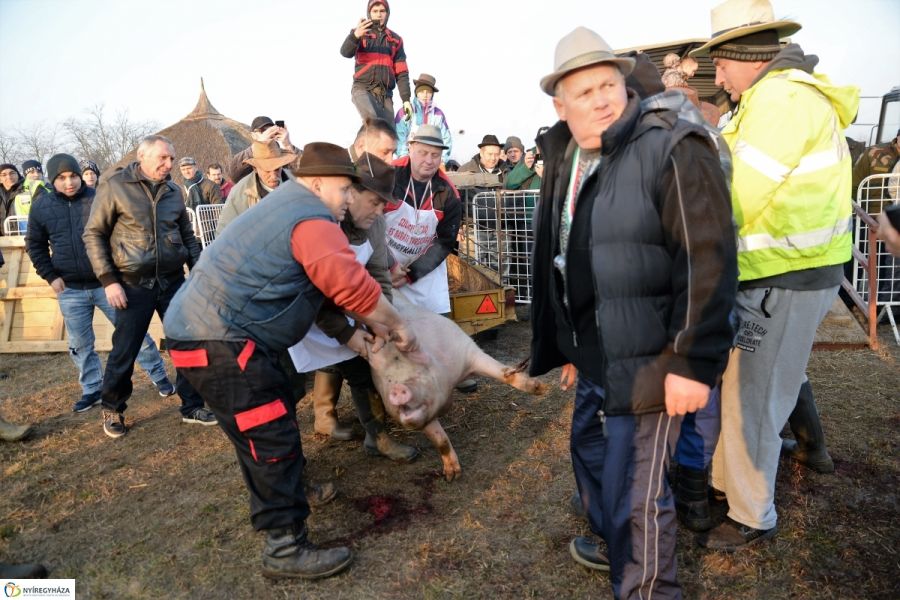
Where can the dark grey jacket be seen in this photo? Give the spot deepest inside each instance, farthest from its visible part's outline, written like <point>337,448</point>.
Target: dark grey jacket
<point>135,237</point>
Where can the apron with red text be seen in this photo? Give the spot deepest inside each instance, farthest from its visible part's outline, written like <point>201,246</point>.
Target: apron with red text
<point>410,232</point>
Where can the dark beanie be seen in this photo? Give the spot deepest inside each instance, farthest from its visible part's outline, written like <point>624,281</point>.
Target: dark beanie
<point>31,164</point>
<point>62,163</point>
<point>644,79</point>
<point>5,166</point>
<point>759,46</point>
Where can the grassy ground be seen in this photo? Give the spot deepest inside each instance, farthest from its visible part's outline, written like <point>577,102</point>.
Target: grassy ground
<point>163,512</point>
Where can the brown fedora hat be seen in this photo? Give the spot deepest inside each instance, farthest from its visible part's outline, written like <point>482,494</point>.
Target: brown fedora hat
<point>490,140</point>
<point>582,48</point>
<point>324,159</point>
<point>269,157</point>
<point>426,79</point>
<point>376,176</point>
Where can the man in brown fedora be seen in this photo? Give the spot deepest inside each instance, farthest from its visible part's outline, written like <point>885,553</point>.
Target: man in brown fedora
<point>339,342</point>
<point>791,196</point>
<point>256,292</point>
<point>424,113</point>
<point>488,158</point>
<point>267,162</point>
<point>634,274</point>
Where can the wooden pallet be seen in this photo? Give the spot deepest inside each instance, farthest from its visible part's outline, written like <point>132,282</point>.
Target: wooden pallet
<point>30,320</point>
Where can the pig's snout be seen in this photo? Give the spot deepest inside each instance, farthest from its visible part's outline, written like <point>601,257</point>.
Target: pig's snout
<point>399,394</point>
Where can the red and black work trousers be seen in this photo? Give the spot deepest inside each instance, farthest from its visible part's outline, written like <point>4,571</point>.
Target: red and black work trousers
<point>243,384</point>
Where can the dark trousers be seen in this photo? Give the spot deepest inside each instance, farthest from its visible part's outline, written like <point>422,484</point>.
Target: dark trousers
<point>620,466</point>
<point>132,323</point>
<point>246,388</point>
<point>700,434</point>
<point>372,106</point>
<point>358,374</point>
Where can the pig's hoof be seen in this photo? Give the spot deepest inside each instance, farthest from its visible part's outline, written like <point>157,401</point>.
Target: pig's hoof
<point>452,472</point>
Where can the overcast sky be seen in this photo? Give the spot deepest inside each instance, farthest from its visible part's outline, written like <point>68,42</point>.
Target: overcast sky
<point>281,59</point>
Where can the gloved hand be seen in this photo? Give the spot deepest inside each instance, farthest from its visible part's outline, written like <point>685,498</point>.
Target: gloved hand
<point>407,108</point>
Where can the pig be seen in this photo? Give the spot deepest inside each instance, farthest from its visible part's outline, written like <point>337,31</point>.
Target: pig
<point>416,387</point>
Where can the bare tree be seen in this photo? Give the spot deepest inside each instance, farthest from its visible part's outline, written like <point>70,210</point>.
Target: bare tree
<point>104,141</point>
<point>9,149</point>
<point>39,141</point>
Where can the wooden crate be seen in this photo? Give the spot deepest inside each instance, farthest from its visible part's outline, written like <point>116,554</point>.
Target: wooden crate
<point>30,320</point>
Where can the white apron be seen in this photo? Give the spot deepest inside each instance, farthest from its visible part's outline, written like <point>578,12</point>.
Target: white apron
<point>317,350</point>
<point>410,232</point>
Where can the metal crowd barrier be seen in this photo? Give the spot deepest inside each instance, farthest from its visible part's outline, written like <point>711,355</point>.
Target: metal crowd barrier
<point>15,225</point>
<point>205,221</point>
<point>497,234</point>
<point>873,195</point>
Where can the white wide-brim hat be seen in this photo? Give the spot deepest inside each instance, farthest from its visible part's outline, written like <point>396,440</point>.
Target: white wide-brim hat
<point>737,18</point>
<point>582,48</point>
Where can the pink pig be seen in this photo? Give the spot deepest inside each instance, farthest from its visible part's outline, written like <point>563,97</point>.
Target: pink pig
<point>416,387</point>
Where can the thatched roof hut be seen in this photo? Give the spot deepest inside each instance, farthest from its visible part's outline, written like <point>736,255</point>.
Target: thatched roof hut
<point>206,134</point>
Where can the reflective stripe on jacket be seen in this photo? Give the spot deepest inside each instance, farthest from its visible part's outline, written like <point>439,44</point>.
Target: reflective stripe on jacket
<point>791,190</point>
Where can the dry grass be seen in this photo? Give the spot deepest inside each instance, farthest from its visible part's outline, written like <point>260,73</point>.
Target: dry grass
<point>163,511</point>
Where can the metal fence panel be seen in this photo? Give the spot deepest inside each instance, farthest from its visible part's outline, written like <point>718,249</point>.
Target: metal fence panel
<point>873,195</point>
<point>15,225</point>
<point>206,219</point>
<point>497,235</point>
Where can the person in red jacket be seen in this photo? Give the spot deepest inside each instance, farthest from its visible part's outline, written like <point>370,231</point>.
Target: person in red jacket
<point>380,64</point>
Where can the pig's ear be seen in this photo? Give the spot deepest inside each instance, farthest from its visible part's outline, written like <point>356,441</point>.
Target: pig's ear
<point>418,357</point>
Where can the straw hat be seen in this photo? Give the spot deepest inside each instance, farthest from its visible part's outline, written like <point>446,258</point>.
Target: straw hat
<point>582,48</point>
<point>738,18</point>
<point>269,157</point>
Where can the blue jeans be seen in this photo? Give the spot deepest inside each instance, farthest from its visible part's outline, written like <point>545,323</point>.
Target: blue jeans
<point>700,434</point>
<point>77,307</point>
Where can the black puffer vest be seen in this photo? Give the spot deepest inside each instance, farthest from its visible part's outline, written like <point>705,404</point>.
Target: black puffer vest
<point>617,262</point>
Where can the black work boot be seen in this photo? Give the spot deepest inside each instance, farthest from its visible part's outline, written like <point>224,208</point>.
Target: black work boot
<point>809,449</point>
<point>288,553</point>
<point>692,498</point>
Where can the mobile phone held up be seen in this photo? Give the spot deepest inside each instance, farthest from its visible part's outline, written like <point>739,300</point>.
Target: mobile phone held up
<point>279,124</point>
<point>893,215</point>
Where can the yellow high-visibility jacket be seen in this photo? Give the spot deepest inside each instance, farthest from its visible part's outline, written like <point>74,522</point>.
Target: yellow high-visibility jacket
<point>791,189</point>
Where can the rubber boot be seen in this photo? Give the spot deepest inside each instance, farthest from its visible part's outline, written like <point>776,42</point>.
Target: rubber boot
<point>378,443</point>
<point>13,433</point>
<point>325,394</point>
<point>692,498</point>
<point>288,553</point>
<point>809,448</point>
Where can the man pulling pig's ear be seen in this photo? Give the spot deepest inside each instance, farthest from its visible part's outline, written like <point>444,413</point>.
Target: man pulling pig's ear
<point>255,292</point>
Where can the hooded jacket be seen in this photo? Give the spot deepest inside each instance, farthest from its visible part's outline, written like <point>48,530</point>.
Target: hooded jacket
<point>380,58</point>
<point>138,237</point>
<point>422,115</point>
<point>791,192</point>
